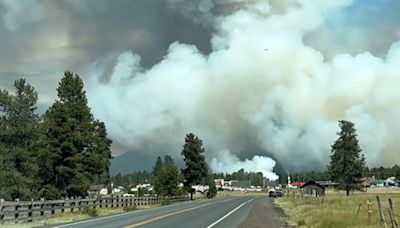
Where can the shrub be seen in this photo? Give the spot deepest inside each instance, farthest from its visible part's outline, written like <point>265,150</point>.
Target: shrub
<point>165,202</point>
<point>92,212</point>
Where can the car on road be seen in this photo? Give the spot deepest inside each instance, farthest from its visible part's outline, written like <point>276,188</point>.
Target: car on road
<point>275,193</point>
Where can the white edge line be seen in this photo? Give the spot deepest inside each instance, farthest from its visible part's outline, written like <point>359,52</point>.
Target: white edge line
<point>113,216</point>
<point>229,213</point>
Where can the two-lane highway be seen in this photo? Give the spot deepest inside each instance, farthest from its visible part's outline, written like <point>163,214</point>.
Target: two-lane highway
<point>220,212</point>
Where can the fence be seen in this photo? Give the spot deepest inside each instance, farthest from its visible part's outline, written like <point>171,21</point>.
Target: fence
<point>34,210</point>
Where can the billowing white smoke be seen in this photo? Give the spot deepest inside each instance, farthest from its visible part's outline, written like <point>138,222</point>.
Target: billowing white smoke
<point>228,163</point>
<point>282,102</point>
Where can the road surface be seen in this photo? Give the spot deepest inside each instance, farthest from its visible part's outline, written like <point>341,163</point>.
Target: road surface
<point>215,213</point>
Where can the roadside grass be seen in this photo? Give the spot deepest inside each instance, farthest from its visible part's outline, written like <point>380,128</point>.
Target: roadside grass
<point>338,210</point>
<point>76,216</point>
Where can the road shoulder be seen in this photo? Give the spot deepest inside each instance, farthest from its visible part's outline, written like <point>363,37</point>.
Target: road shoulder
<point>264,214</point>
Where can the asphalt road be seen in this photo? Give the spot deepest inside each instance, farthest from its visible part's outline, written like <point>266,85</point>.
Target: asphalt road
<point>220,212</point>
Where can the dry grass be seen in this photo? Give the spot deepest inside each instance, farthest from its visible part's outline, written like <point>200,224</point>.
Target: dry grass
<point>72,217</point>
<point>338,210</point>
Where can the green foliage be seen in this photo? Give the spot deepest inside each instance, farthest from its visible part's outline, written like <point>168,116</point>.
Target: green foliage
<point>196,166</point>
<point>212,191</point>
<point>50,192</point>
<point>19,133</point>
<point>92,212</point>
<point>166,201</point>
<point>157,166</point>
<point>167,179</point>
<point>141,192</point>
<point>78,150</point>
<point>347,162</point>
<point>130,208</point>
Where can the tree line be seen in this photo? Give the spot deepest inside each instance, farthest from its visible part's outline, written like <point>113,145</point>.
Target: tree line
<point>380,173</point>
<point>254,178</point>
<point>57,154</point>
<point>166,177</point>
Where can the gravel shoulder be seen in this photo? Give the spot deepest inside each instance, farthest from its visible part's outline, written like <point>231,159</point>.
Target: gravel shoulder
<point>264,214</point>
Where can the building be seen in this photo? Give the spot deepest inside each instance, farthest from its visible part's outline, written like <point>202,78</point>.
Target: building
<point>313,188</point>
<point>296,184</point>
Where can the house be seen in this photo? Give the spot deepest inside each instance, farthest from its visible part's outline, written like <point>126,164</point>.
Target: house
<point>296,184</point>
<point>312,188</point>
<point>96,190</point>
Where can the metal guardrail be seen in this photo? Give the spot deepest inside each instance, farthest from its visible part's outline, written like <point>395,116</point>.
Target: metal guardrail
<point>35,210</point>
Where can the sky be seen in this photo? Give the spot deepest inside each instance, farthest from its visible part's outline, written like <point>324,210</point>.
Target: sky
<point>263,83</point>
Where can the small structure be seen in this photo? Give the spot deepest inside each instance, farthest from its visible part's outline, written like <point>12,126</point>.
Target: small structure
<point>296,184</point>
<point>313,188</point>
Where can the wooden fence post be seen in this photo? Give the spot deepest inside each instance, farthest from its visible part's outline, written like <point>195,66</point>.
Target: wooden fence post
<point>396,222</point>
<point>53,211</point>
<point>1,210</point>
<point>383,221</point>
<point>71,204</point>
<point>30,210</point>
<point>369,212</point>
<point>16,212</point>
<point>391,217</point>
<point>42,207</point>
<point>63,206</point>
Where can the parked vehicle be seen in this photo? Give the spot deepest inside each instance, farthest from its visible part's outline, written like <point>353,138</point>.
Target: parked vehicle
<point>275,193</point>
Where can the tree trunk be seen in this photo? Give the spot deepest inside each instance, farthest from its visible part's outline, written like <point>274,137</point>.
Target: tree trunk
<point>347,192</point>
<point>191,195</point>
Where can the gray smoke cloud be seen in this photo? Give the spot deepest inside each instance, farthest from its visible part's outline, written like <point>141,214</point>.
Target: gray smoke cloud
<point>156,70</point>
<point>260,84</point>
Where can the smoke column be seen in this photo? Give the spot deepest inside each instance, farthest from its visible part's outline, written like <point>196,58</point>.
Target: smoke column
<point>261,93</point>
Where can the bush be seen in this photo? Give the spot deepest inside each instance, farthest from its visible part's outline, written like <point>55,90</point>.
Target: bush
<point>165,202</point>
<point>130,208</point>
<point>50,192</point>
<point>92,212</point>
<point>211,194</point>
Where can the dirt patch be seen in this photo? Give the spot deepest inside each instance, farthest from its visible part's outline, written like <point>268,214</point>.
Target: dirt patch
<point>264,214</point>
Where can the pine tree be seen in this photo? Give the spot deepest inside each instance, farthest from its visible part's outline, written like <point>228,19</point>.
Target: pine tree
<point>167,178</point>
<point>157,166</point>
<point>347,161</point>
<point>19,132</point>
<point>77,145</point>
<point>196,167</point>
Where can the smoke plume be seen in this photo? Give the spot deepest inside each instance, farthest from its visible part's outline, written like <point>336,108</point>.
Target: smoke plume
<point>261,92</point>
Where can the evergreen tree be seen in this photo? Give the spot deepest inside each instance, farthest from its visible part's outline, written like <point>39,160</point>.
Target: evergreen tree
<point>19,132</point>
<point>157,166</point>
<point>212,189</point>
<point>77,146</point>
<point>167,178</point>
<point>347,161</point>
<point>196,166</point>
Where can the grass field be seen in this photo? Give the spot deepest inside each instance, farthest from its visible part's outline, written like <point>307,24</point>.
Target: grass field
<point>338,210</point>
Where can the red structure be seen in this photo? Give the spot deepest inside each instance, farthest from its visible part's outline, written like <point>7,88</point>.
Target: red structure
<point>297,184</point>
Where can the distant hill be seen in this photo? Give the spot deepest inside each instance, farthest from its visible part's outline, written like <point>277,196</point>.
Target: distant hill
<point>134,161</point>
<point>130,162</point>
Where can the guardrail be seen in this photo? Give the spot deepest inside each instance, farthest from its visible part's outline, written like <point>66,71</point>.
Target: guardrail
<point>35,210</point>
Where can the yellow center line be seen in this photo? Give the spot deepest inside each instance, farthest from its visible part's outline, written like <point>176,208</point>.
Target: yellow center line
<point>164,216</point>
